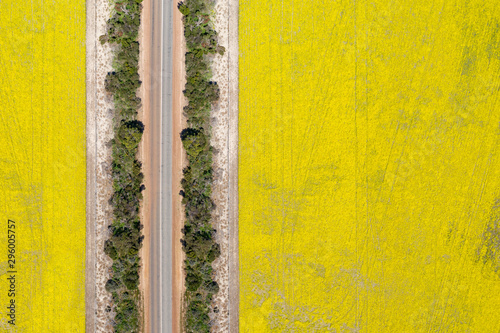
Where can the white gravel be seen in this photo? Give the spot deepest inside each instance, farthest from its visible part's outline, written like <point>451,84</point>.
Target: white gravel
<point>225,190</point>
<point>99,190</point>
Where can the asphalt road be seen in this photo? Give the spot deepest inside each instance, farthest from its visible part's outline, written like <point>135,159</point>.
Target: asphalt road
<point>161,164</point>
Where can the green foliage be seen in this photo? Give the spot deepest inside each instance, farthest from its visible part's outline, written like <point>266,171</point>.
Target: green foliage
<point>194,142</point>
<point>131,279</point>
<point>193,282</point>
<point>214,252</point>
<point>197,319</point>
<point>110,250</point>
<point>112,285</point>
<point>125,232</point>
<point>183,9</point>
<point>198,234</point>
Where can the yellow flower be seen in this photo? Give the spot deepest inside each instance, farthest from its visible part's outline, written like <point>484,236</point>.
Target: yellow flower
<point>369,166</point>
<point>42,163</point>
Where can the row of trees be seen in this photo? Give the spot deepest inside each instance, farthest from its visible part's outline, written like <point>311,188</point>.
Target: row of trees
<point>125,231</point>
<point>198,233</point>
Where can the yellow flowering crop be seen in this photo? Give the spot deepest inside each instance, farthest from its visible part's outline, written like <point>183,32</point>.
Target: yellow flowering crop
<point>42,165</point>
<point>369,168</point>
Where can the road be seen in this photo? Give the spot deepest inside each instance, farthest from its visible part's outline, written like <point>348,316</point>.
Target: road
<point>160,124</point>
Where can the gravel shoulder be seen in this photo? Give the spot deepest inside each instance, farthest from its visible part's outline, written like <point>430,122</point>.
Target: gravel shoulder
<point>145,155</point>
<point>178,163</point>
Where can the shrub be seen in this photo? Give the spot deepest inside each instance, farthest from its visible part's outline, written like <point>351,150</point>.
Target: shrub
<point>112,285</point>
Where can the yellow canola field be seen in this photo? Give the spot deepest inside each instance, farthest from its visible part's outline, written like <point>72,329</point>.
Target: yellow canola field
<point>42,165</point>
<point>369,173</point>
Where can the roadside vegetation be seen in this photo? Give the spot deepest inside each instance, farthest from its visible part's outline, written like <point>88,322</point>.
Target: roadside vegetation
<point>198,233</point>
<point>125,231</point>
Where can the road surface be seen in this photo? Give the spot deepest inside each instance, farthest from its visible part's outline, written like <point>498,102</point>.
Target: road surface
<point>161,168</point>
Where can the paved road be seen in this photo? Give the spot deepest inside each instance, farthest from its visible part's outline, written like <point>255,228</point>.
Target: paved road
<point>161,164</point>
